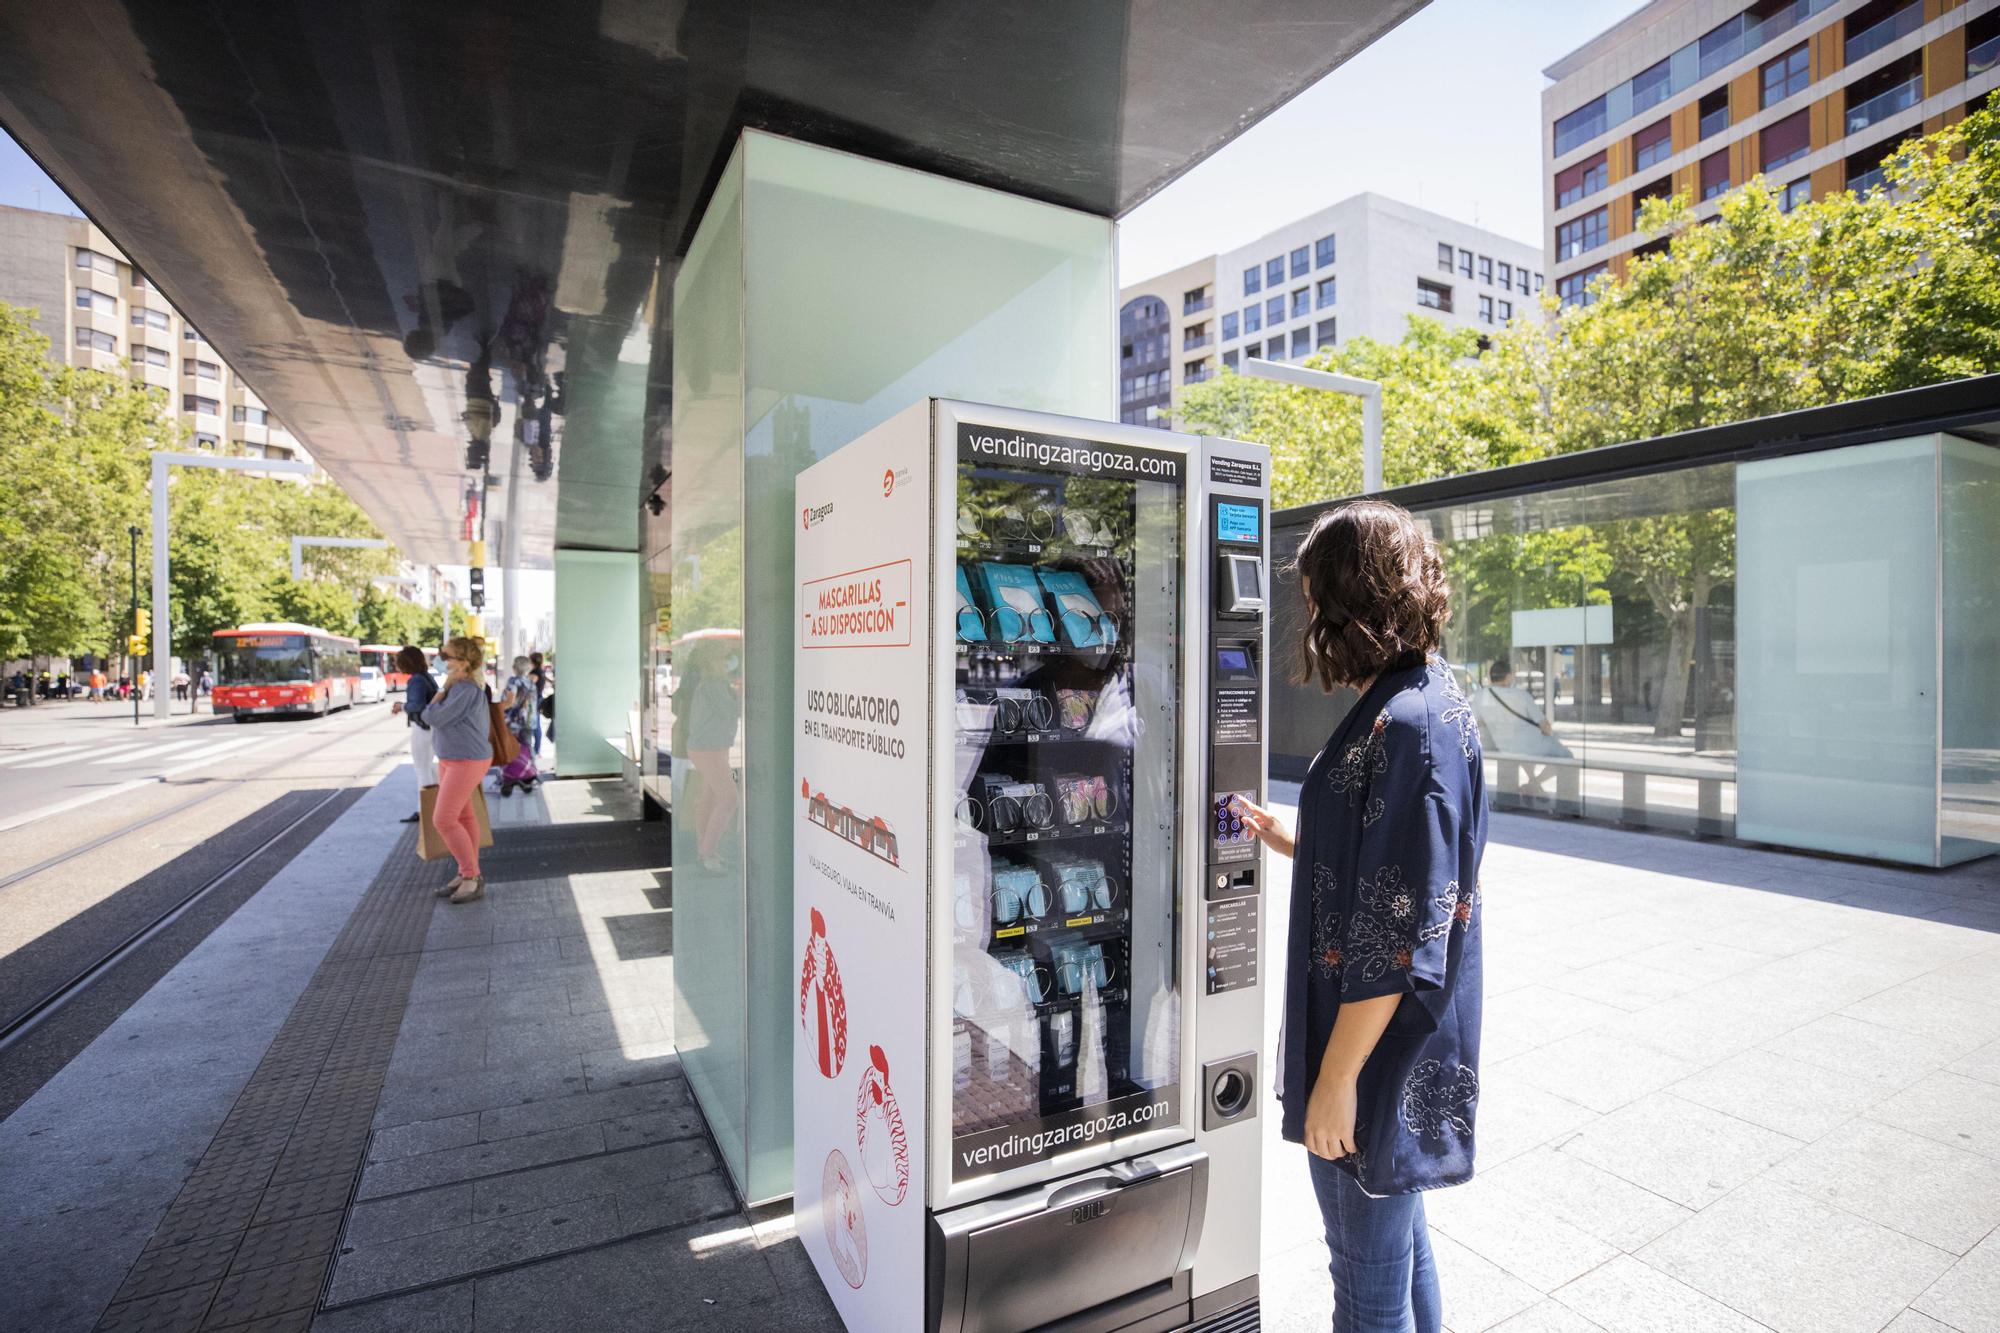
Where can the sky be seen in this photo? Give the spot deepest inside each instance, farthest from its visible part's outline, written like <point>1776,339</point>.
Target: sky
<point>1443,112</point>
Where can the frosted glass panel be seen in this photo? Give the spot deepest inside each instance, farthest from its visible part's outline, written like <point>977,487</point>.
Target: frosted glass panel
<point>853,290</point>
<point>1969,814</point>
<point>1836,630</point>
<point>704,722</point>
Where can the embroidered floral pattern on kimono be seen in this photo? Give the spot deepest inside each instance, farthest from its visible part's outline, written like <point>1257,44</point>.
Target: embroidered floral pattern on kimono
<point>1434,1100</point>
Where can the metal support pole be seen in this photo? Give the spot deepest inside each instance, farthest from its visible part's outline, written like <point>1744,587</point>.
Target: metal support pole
<point>351,543</point>
<point>1368,391</point>
<point>133,532</point>
<point>161,462</point>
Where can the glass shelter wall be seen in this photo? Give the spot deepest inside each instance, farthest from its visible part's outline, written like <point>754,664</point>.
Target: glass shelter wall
<point>828,292</point>
<point>1798,650</point>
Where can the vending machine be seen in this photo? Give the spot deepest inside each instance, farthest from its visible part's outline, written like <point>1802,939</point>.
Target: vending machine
<point>1030,673</point>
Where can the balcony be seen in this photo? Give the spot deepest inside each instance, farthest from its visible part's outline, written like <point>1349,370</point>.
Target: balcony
<point>1885,104</point>
<point>1196,307</point>
<point>1983,56</point>
<point>1899,24</point>
<point>1867,180</point>
<point>1195,342</point>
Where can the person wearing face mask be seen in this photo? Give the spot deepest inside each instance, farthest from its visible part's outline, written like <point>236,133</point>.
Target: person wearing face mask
<point>459,721</point>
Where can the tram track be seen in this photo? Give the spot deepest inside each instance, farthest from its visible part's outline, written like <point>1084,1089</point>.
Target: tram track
<point>24,1021</point>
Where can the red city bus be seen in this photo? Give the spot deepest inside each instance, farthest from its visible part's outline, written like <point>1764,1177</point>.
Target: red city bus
<point>382,656</point>
<point>280,667</point>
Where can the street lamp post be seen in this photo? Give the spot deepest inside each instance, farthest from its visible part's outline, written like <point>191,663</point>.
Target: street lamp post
<point>349,543</point>
<point>133,531</point>
<point>163,699</point>
<point>1368,391</point>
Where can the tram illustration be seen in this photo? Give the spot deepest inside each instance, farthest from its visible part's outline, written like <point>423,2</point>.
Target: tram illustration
<point>873,836</point>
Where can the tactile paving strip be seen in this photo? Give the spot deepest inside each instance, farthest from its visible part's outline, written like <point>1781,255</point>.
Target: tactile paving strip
<point>250,1238</point>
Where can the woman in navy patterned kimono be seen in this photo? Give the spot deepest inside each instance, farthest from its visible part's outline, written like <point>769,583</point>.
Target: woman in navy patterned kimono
<point>1378,1069</point>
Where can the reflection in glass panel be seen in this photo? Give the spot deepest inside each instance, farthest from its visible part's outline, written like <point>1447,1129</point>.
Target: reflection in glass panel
<point>1594,629</point>
<point>1969,815</point>
<point>1064,985</point>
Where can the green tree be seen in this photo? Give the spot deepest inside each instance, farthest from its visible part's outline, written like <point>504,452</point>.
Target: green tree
<point>317,602</point>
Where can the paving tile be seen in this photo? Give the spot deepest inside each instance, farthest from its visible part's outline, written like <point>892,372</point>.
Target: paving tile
<point>1956,1023</point>
<point>260,1293</point>
<point>1545,1013</point>
<point>1597,1071</point>
<point>1624,983</point>
<point>642,1284</point>
<point>1551,1316</point>
<point>607,1173</point>
<point>1477,1294</point>
<point>1915,1185</point>
<point>1967,1297</point>
<point>303,1198</point>
<point>1612,1209</point>
<point>1627,1296</point>
<point>195,1263</point>
<point>1680,1150</point>
<point>654,1126</point>
<point>1976,975</point>
<point>1911,1322</point>
<point>677,1203</point>
<point>194,1216</point>
<point>480,1159</point>
<point>377,1221</point>
<point>1963,1112</point>
<point>1517,1235</point>
<point>563,1227</point>
<point>624,1028</point>
<point>582,1108</point>
<point>434,1096</point>
<point>291,1241</point>
<point>629,1067</point>
<point>179,1311</point>
<point>1295,1291</point>
<point>362,1273</point>
<point>1886,1058</point>
<point>1791,1096</point>
<point>438,1310</point>
<point>423,1136</point>
<point>1982,1064</point>
<point>1795,1264</point>
<point>295,1321</point>
<point>1516,1117</point>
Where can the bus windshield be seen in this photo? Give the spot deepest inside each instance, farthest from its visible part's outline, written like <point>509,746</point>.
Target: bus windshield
<point>257,659</point>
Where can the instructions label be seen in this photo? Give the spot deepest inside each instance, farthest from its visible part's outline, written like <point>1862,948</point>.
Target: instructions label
<point>1232,944</point>
<point>1236,718</point>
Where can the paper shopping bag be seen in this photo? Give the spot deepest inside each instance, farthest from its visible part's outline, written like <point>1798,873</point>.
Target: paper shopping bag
<point>430,843</point>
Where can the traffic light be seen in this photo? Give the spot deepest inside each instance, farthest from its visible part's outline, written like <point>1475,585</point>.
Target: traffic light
<point>135,645</point>
<point>142,623</point>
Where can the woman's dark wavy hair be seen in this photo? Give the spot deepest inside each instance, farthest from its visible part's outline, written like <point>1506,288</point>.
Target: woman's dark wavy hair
<point>1375,594</point>
<point>412,659</point>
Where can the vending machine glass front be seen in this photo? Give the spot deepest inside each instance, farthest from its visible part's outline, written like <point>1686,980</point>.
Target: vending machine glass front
<point>1066,721</point>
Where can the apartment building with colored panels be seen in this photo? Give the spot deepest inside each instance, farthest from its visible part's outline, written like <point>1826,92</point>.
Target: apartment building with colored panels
<point>1699,96</point>
<point>1166,341</point>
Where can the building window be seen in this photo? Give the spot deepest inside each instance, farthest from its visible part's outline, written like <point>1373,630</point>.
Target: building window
<point>1485,310</point>
<point>1798,192</point>
<point>1506,311</point>
<point>1874,26</point>
<point>1465,262</point>
<point>1229,326</point>
<point>153,356</point>
<point>1301,301</point>
<point>96,302</point>
<point>97,341</point>
<point>1714,113</point>
<point>1575,289</point>
<point>1196,301</point>
<point>1194,372</point>
<point>1229,358</point>
<point>194,402</point>
<point>207,370</point>
<point>1582,180</point>
<point>142,282</point>
<point>1433,295</point>
<point>101,262</point>
<point>1253,319</point>
<point>1253,280</point>
<point>189,335</point>
<point>152,319</point>
<point>1274,350</point>
<point>1323,334</point>
<point>1444,256</point>
<point>1506,275</point>
<point>1660,189</point>
<point>1788,74</point>
<point>1652,86</point>
<point>1323,252</point>
<point>1786,140</point>
<point>249,416</point>
<point>1195,335</point>
<point>1538,284</point>
<point>1324,293</point>
<point>1582,125</point>
<point>1301,261</point>
<point>1302,340</point>
<point>1982,43</point>
<point>1274,272</point>
<point>1582,235</point>
<point>207,441</point>
<point>1653,144</point>
<point>1715,173</point>
<point>1895,87</point>
<point>1720,45</point>
<point>1274,311</point>
<point>1521,279</point>
<point>1486,269</point>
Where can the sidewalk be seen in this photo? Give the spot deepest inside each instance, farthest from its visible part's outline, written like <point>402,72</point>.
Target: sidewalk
<point>537,1160</point>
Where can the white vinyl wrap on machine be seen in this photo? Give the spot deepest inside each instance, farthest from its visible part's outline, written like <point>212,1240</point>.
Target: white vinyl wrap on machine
<point>1027,1068</point>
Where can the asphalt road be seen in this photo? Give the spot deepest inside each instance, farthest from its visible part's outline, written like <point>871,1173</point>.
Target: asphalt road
<point>90,869</point>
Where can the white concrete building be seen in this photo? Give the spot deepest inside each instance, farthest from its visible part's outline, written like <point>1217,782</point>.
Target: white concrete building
<point>1362,267</point>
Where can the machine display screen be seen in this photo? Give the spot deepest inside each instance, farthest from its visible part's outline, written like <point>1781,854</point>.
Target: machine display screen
<point>1236,523</point>
<point>1232,660</point>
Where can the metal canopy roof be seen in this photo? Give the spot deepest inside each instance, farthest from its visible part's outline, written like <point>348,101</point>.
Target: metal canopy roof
<point>362,203</point>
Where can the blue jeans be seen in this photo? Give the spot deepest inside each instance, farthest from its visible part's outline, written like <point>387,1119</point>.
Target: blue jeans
<point>1384,1280</point>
